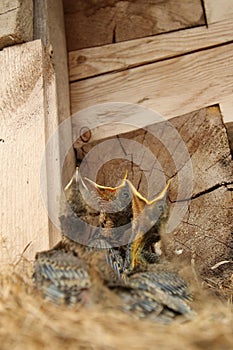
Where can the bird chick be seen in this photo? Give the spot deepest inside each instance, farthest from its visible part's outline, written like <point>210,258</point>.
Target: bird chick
<point>121,205</point>
<point>115,208</point>
<point>148,221</point>
<point>75,273</point>
<point>78,261</point>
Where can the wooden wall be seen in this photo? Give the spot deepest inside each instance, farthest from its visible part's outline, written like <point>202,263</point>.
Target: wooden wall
<point>16,22</point>
<point>173,73</point>
<point>34,99</point>
<point>96,23</point>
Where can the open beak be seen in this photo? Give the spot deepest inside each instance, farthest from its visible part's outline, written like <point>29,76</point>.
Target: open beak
<point>106,192</point>
<point>145,215</point>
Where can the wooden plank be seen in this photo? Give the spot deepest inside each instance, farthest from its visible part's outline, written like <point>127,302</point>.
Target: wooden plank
<point>16,22</point>
<point>173,87</point>
<point>57,38</point>
<point>218,10</point>
<point>49,27</point>
<point>95,61</point>
<point>27,81</point>
<point>94,23</point>
<point>226,107</point>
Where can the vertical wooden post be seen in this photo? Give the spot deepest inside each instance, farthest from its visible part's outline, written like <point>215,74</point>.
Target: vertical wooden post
<point>34,100</point>
<point>24,94</point>
<point>49,27</point>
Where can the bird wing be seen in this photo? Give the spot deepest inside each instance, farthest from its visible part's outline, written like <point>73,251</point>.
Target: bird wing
<point>61,276</point>
<point>167,288</point>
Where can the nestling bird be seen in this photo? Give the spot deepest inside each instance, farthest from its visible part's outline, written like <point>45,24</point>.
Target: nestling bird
<point>71,267</point>
<point>158,293</point>
<point>147,224</point>
<point>61,275</point>
<point>147,220</point>
<point>115,208</point>
<point>107,272</point>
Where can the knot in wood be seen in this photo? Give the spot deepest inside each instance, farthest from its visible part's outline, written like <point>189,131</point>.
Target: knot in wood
<point>85,134</point>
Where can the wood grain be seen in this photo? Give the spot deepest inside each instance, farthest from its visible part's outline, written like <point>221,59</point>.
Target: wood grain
<point>218,10</point>
<point>95,23</point>
<point>49,27</point>
<point>57,38</point>
<point>116,57</point>
<point>24,219</point>
<point>171,87</point>
<point>16,22</point>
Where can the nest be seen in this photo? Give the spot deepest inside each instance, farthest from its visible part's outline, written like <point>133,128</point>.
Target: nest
<point>30,322</point>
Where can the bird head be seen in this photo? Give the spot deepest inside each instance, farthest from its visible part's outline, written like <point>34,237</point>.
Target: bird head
<point>113,199</point>
<point>115,208</point>
<point>147,213</point>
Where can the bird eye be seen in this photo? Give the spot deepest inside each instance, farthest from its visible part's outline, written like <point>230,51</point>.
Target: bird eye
<point>160,207</point>
<point>126,194</point>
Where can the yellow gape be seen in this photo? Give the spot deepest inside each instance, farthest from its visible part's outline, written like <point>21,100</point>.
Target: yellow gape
<point>146,214</point>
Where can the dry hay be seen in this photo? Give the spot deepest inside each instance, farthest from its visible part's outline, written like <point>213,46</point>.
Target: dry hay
<point>27,321</point>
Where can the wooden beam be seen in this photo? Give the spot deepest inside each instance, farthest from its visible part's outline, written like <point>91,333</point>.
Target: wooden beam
<point>226,107</point>
<point>49,27</point>
<point>218,10</point>
<point>97,23</point>
<point>171,87</point>
<point>27,103</point>
<point>116,57</point>
<point>16,22</point>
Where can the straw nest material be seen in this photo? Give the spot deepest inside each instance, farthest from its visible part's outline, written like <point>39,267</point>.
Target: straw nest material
<point>27,321</point>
